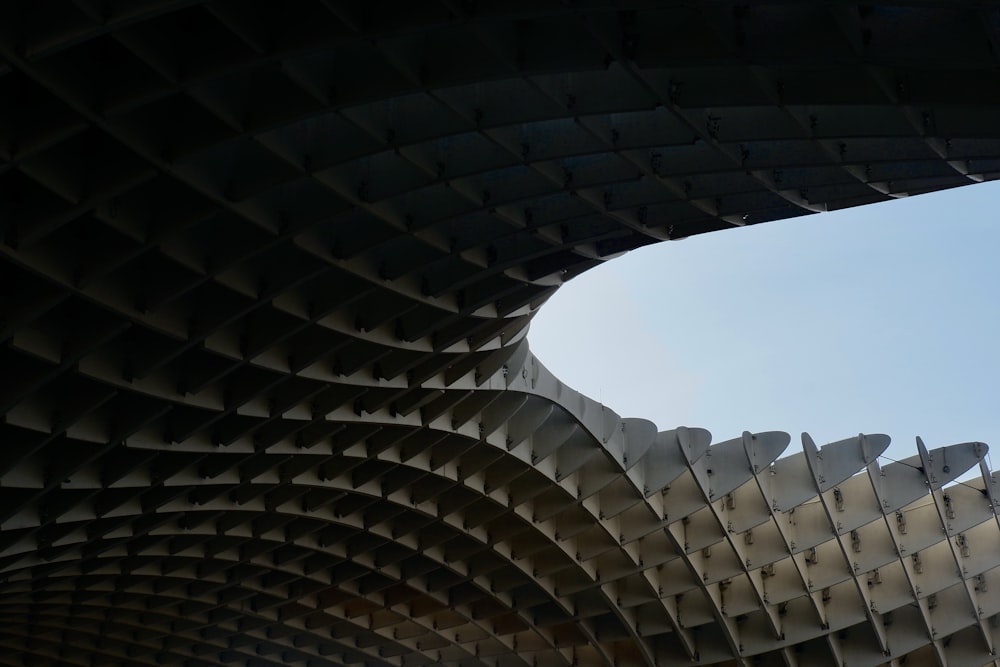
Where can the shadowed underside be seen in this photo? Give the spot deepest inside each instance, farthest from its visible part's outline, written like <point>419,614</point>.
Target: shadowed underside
<point>269,267</point>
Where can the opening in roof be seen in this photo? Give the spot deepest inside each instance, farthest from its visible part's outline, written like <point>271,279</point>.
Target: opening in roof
<point>881,318</point>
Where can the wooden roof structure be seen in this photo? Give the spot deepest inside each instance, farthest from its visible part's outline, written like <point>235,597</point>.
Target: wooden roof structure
<point>269,266</point>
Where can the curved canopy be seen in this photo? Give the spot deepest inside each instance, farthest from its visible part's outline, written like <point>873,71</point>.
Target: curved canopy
<point>269,267</point>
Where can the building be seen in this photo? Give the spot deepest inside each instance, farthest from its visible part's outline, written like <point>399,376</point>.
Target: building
<point>269,270</point>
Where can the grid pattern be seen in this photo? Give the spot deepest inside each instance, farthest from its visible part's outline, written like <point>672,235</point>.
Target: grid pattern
<point>269,268</point>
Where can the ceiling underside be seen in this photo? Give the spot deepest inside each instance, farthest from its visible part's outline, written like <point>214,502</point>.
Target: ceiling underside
<point>269,266</point>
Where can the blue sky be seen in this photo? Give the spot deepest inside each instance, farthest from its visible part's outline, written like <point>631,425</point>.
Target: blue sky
<point>879,319</point>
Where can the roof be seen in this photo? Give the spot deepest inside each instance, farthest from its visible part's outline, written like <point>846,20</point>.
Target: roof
<point>269,268</point>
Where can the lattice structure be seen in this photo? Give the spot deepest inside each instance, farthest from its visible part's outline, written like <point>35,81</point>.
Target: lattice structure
<point>269,267</point>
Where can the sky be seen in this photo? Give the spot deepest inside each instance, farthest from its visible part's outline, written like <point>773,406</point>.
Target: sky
<point>878,319</point>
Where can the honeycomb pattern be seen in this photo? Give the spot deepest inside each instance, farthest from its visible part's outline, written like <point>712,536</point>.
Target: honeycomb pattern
<point>267,398</point>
